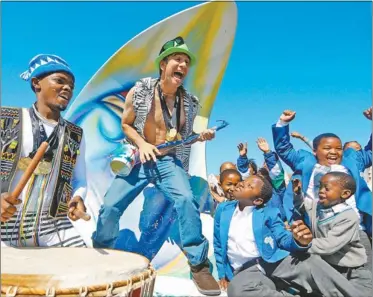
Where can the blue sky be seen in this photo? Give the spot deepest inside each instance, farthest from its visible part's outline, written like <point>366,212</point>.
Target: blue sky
<point>312,57</point>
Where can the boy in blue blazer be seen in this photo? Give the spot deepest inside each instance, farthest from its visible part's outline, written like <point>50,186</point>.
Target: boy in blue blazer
<point>252,246</point>
<point>327,156</point>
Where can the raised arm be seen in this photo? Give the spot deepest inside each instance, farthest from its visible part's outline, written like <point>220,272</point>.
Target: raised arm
<point>302,207</point>
<point>367,152</point>
<point>281,140</point>
<point>295,206</point>
<point>271,159</point>
<point>243,161</point>
<point>303,138</point>
<point>364,157</point>
<point>368,147</point>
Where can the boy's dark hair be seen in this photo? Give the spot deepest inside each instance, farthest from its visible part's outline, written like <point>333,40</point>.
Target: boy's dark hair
<point>266,190</point>
<point>224,163</point>
<point>263,171</point>
<point>227,172</point>
<point>253,165</point>
<point>265,174</point>
<point>348,142</point>
<point>317,139</point>
<point>346,181</point>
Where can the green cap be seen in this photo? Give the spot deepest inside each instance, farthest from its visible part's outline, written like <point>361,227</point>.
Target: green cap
<point>176,45</point>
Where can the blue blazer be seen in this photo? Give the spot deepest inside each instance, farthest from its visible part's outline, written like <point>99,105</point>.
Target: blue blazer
<point>274,242</point>
<point>271,159</point>
<point>302,163</point>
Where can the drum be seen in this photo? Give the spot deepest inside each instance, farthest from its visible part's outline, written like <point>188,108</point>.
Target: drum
<point>75,272</point>
<point>124,158</point>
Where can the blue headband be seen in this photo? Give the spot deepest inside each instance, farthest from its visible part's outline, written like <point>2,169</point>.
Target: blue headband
<point>43,64</point>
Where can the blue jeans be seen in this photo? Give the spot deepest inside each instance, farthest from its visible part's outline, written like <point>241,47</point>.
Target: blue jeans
<point>168,175</point>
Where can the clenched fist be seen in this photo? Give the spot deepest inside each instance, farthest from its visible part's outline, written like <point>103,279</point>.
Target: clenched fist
<point>301,233</point>
<point>368,113</point>
<point>8,206</point>
<point>287,116</point>
<point>77,209</point>
<point>207,134</point>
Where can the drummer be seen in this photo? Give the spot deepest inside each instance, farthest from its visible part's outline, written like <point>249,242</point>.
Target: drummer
<point>157,110</point>
<point>56,190</point>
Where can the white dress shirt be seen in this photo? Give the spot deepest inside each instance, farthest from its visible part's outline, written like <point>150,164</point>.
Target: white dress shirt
<point>241,241</point>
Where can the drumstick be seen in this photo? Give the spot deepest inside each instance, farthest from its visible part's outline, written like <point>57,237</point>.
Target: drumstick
<point>29,170</point>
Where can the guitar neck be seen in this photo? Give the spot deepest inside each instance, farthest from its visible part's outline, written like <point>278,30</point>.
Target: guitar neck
<point>172,144</point>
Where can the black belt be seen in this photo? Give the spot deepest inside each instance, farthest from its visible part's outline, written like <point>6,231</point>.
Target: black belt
<point>248,264</point>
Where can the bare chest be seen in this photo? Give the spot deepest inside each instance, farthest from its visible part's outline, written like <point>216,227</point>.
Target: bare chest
<point>155,129</point>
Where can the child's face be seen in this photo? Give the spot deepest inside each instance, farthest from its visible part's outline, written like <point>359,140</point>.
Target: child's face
<point>229,183</point>
<point>329,151</point>
<point>251,170</point>
<point>353,144</point>
<point>331,191</point>
<point>248,190</point>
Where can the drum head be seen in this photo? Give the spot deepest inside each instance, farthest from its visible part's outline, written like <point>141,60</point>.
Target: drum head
<point>67,267</point>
